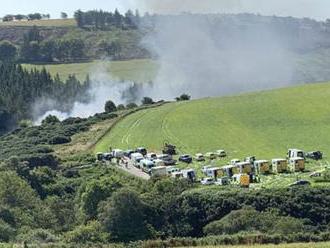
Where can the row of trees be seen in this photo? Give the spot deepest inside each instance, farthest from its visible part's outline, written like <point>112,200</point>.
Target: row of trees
<point>30,17</point>
<point>104,20</point>
<point>19,89</point>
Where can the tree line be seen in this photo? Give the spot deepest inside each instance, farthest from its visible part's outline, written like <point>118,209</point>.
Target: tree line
<point>20,89</point>
<point>29,17</point>
<point>104,20</point>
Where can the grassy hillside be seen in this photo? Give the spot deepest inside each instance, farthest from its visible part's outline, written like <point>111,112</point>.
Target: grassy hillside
<point>140,70</point>
<point>41,23</point>
<point>263,124</point>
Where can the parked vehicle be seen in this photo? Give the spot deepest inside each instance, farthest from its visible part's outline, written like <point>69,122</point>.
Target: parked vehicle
<point>262,166</point>
<point>199,157</point>
<point>316,155</point>
<point>107,156</point>
<point>168,160</point>
<point>128,153</point>
<point>158,171</point>
<point>295,153</point>
<point>223,181</point>
<point>189,174</point>
<point>142,150</point>
<point>151,156</point>
<point>172,169</point>
<point>99,156</point>
<point>117,153</point>
<point>230,170</point>
<point>159,162</point>
<point>207,181</point>
<point>211,155</point>
<point>146,165</point>
<point>185,159</point>
<point>221,153</point>
<point>136,158</point>
<point>297,164</point>
<point>300,183</point>
<point>280,165</point>
<point>234,161</point>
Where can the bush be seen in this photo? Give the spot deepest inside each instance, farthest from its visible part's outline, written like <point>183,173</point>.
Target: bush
<point>110,107</point>
<point>50,119</point>
<point>6,231</point>
<point>91,232</point>
<point>121,107</point>
<point>37,236</point>
<point>147,101</point>
<point>131,106</point>
<point>183,97</point>
<point>57,140</point>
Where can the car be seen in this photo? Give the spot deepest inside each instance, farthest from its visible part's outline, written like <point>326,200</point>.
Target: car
<point>199,157</point>
<point>211,155</point>
<point>128,153</point>
<point>316,174</point>
<point>167,159</point>
<point>185,158</point>
<point>207,181</point>
<point>316,155</point>
<point>235,161</point>
<point>300,183</point>
<point>221,153</point>
<point>142,150</point>
<point>151,156</point>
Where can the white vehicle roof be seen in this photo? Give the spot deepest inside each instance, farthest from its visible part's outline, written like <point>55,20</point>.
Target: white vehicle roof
<point>214,168</point>
<point>220,151</point>
<point>117,150</point>
<point>278,159</point>
<point>228,166</point>
<point>146,161</point>
<point>188,170</point>
<point>243,163</point>
<point>159,167</point>
<point>297,158</point>
<point>136,154</point>
<point>199,155</point>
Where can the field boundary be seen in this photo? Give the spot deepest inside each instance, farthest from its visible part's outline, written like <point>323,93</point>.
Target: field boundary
<point>119,119</point>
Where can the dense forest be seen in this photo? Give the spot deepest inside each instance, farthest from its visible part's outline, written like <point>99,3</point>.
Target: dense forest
<point>21,89</point>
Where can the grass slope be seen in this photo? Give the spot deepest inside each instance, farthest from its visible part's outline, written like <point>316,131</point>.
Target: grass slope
<point>41,23</point>
<point>139,70</point>
<point>264,124</point>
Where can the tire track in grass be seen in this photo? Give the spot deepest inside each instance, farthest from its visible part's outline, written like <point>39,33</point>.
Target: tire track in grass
<point>130,130</point>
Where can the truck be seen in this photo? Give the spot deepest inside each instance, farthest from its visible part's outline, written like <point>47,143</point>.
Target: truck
<point>297,164</point>
<point>189,174</point>
<point>117,153</point>
<point>230,170</point>
<point>158,171</point>
<point>142,150</point>
<point>261,166</point>
<point>279,165</point>
<point>234,161</point>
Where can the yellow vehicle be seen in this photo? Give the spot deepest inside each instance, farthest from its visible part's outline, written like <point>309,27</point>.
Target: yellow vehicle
<point>242,179</point>
<point>262,167</point>
<point>297,164</point>
<point>279,165</point>
<point>244,167</point>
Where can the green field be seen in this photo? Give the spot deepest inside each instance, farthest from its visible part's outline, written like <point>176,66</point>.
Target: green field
<point>41,23</point>
<point>139,70</point>
<point>263,124</point>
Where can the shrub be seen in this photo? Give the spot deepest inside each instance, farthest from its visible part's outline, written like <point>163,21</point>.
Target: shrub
<point>91,232</point>
<point>110,107</point>
<point>50,119</point>
<point>131,106</point>
<point>37,236</point>
<point>147,101</point>
<point>183,97</point>
<point>6,231</point>
<point>57,140</point>
<point>121,107</point>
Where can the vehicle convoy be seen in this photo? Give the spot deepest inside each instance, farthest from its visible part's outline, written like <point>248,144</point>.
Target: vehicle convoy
<point>189,174</point>
<point>242,179</point>
<point>213,172</point>
<point>136,158</point>
<point>128,153</point>
<point>244,167</point>
<point>167,159</point>
<point>158,171</point>
<point>234,161</point>
<point>117,153</point>
<point>151,156</point>
<point>207,181</point>
<point>142,150</point>
<point>222,181</point>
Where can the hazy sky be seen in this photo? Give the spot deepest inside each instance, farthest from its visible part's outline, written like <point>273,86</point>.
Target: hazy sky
<point>318,9</point>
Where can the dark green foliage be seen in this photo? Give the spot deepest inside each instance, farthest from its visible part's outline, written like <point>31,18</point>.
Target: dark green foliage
<point>123,216</point>
<point>131,105</point>
<point>91,232</point>
<point>183,97</point>
<point>110,107</point>
<point>8,51</point>
<point>50,119</point>
<point>121,107</point>
<point>147,101</point>
<point>107,20</point>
